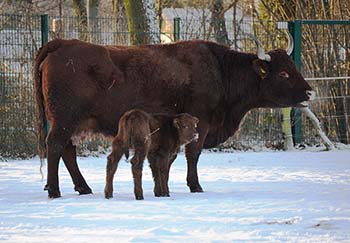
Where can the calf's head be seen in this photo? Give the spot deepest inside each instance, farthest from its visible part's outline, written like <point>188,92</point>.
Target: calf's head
<point>280,83</point>
<point>186,126</point>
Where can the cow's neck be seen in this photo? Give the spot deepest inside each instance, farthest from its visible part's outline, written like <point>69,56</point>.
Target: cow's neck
<point>241,95</point>
<point>241,82</point>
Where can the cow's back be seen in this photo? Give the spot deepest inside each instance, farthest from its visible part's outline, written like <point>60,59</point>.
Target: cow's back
<point>174,78</point>
<point>75,74</point>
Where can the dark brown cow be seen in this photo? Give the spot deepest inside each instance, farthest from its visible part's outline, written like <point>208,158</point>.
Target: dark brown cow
<point>157,136</point>
<point>80,87</point>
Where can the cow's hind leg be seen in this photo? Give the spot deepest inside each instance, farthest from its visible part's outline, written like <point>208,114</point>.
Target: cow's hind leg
<point>56,141</point>
<point>112,165</point>
<point>70,160</point>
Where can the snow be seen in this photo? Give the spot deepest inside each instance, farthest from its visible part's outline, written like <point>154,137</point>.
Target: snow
<point>249,197</point>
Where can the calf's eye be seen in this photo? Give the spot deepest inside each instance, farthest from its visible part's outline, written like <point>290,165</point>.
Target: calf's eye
<point>284,74</point>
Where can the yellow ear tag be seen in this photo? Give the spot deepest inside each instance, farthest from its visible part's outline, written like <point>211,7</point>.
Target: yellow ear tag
<point>262,71</point>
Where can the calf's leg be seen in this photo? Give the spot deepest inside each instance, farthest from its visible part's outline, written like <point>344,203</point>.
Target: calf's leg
<point>170,162</point>
<point>159,166</point>
<point>155,173</point>
<point>136,167</point>
<point>112,165</point>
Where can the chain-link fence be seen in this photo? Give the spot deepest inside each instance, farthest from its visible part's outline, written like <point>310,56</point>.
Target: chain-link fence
<point>21,36</point>
<point>325,62</point>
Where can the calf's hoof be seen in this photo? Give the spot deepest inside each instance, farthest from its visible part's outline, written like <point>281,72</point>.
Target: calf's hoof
<point>83,190</point>
<point>52,193</point>
<point>161,194</point>
<point>195,188</point>
<point>139,197</point>
<point>108,195</point>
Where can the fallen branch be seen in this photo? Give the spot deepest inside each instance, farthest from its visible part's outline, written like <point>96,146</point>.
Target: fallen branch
<point>328,143</point>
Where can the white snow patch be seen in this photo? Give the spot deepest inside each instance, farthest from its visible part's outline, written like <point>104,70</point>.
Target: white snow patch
<point>249,197</point>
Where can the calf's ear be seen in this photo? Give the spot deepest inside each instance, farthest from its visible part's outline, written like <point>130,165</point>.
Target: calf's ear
<point>176,123</point>
<point>196,120</point>
<point>261,68</point>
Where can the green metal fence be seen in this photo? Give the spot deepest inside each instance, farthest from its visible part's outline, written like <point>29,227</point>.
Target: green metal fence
<point>21,36</point>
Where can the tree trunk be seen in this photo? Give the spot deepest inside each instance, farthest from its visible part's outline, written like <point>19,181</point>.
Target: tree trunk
<point>218,22</point>
<point>92,17</point>
<point>120,25</point>
<point>80,11</point>
<point>142,21</point>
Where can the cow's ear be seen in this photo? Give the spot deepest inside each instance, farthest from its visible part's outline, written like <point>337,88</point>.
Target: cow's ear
<point>176,123</point>
<point>261,68</point>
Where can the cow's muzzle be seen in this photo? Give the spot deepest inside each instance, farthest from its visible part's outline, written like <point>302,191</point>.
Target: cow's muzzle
<point>311,94</point>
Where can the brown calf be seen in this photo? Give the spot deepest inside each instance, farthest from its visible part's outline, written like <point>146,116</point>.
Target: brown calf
<point>157,136</point>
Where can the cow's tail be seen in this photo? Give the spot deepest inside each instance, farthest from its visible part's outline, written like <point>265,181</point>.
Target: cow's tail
<point>41,123</point>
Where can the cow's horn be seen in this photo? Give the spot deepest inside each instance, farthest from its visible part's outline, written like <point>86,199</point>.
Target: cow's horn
<point>260,52</point>
<point>290,47</point>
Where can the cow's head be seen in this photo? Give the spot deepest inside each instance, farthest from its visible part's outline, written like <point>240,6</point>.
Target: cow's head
<point>186,126</point>
<point>281,84</point>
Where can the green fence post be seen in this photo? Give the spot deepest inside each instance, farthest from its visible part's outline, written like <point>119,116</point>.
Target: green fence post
<point>44,39</point>
<point>295,30</point>
<point>176,29</point>
<point>44,29</point>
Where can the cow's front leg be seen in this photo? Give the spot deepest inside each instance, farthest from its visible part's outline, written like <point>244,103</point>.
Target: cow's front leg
<point>192,152</point>
<point>70,160</point>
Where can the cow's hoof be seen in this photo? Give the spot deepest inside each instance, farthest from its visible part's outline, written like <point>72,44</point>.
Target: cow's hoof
<point>52,193</point>
<point>83,190</point>
<point>139,197</point>
<point>196,188</point>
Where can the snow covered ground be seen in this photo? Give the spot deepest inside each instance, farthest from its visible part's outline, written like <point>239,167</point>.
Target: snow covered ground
<point>249,197</point>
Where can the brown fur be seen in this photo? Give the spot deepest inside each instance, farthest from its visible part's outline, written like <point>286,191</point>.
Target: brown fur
<point>81,81</point>
<point>157,136</point>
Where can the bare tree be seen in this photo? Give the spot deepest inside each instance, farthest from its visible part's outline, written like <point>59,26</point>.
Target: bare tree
<point>92,17</point>
<point>120,25</point>
<point>142,21</point>
<point>218,21</point>
<point>82,23</point>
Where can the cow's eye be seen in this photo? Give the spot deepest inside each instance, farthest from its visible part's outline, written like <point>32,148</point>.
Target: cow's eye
<point>284,74</point>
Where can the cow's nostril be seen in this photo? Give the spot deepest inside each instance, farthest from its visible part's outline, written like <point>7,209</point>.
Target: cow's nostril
<point>311,94</point>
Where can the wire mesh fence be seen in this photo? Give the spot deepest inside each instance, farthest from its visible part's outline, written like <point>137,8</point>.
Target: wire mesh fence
<point>326,65</point>
<point>21,36</point>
